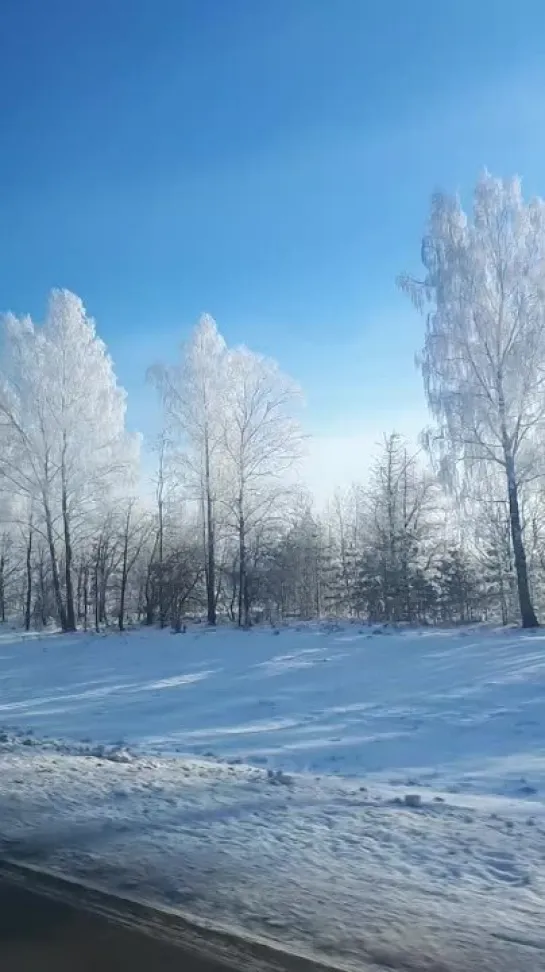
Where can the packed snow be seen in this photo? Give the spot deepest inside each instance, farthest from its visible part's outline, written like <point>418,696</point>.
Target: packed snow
<point>371,795</point>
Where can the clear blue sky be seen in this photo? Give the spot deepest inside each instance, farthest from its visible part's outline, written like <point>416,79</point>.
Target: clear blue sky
<point>269,161</point>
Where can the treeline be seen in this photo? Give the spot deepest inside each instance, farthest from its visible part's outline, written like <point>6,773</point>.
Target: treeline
<point>396,549</point>
<point>452,533</point>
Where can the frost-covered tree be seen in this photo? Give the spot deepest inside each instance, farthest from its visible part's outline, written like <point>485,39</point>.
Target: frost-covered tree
<point>192,393</point>
<point>401,540</point>
<point>262,441</point>
<point>135,530</point>
<point>62,425</point>
<point>458,585</point>
<point>483,360</point>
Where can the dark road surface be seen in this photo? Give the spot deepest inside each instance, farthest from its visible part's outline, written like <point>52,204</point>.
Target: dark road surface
<point>38,934</point>
<point>49,926</point>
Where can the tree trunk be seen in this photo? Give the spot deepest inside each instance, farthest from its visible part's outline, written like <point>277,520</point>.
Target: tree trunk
<point>28,598</point>
<point>43,597</point>
<point>159,540</point>
<point>242,594</point>
<point>503,599</point>
<point>70,612</point>
<point>160,552</point>
<point>211,543</point>
<point>149,593</point>
<point>54,565</point>
<point>103,614</point>
<point>85,596</point>
<point>527,612</point>
<point>97,598</point>
<point>2,589</point>
<point>234,593</point>
<point>124,574</point>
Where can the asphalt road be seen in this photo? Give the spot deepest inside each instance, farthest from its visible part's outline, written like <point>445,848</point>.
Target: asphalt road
<point>39,934</point>
<point>50,925</point>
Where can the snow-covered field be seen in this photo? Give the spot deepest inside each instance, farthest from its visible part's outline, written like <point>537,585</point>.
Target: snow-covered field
<point>257,780</point>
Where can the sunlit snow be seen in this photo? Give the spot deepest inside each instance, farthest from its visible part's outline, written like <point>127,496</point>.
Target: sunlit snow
<point>258,780</point>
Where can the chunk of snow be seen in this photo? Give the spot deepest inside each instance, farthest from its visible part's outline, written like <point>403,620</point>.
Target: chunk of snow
<point>412,800</point>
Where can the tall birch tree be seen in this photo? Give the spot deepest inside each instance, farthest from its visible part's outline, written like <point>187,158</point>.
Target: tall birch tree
<point>262,441</point>
<point>483,361</point>
<point>193,393</point>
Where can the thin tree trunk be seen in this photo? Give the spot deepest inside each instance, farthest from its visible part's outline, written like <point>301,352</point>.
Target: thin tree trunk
<point>234,593</point>
<point>79,611</point>
<point>28,598</point>
<point>124,573</point>
<point>160,549</point>
<point>70,613</point>
<point>161,534</point>
<point>41,576</point>
<point>85,595</point>
<point>68,557</point>
<point>2,589</point>
<point>318,590</point>
<point>242,597</point>
<point>527,613</point>
<point>246,601</point>
<point>97,596</point>
<point>149,593</point>
<point>211,541</point>
<point>54,565</point>
<point>503,599</point>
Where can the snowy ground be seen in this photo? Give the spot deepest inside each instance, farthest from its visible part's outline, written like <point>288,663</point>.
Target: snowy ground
<point>257,780</point>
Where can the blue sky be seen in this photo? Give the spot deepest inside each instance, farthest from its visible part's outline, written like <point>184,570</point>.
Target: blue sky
<point>268,161</point>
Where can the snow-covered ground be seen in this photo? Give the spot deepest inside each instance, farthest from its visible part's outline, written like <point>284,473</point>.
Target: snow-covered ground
<point>257,780</point>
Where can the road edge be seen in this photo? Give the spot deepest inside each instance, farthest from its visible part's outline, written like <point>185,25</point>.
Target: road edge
<point>203,939</point>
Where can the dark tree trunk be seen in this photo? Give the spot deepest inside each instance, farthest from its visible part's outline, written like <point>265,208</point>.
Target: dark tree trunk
<point>234,593</point>
<point>79,593</point>
<point>2,589</point>
<point>161,571</point>
<point>68,557</point>
<point>124,574</point>
<point>97,597</point>
<point>246,602</point>
<point>70,612</point>
<point>527,613</point>
<point>149,594</point>
<point>54,566</point>
<point>28,598</point>
<point>85,596</point>
<point>243,604</point>
<point>210,542</point>
<point>43,593</point>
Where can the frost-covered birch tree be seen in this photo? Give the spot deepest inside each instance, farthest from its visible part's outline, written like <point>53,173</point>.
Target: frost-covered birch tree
<point>193,398</point>
<point>262,441</point>
<point>62,424</point>
<point>483,360</point>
